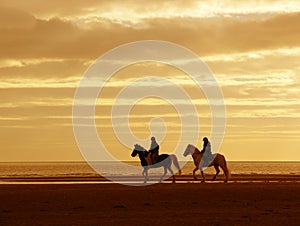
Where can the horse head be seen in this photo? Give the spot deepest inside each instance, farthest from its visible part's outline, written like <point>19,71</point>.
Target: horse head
<point>189,150</point>
<point>138,149</point>
<point>134,151</point>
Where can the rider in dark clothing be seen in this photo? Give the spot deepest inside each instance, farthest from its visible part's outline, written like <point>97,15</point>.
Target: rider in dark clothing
<point>154,150</point>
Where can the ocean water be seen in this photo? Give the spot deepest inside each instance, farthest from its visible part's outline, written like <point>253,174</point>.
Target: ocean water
<point>82,169</point>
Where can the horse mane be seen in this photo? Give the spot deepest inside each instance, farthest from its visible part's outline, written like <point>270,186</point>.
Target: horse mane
<point>139,148</point>
<point>195,148</point>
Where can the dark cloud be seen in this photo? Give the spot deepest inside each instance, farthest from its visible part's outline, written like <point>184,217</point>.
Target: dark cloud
<point>57,38</point>
<point>14,19</point>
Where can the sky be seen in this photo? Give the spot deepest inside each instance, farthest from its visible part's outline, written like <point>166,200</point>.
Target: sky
<point>251,47</point>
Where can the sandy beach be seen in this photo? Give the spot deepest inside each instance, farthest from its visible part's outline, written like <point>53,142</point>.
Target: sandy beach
<point>246,203</point>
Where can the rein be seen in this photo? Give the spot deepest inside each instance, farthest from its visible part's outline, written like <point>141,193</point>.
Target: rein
<point>143,155</point>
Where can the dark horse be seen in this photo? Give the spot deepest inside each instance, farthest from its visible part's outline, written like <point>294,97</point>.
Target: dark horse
<point>163,160</point>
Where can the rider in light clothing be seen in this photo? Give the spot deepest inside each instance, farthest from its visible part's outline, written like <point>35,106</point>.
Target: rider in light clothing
<point>207,154</point>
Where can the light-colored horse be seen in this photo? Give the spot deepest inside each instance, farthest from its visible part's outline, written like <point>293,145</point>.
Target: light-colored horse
<point>219,160</point>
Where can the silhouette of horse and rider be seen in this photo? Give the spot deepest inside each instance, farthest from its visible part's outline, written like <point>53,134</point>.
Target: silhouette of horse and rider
<point>202,159</point>
<point>152,159</point>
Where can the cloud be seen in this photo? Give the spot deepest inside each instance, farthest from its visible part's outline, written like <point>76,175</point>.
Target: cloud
<point>62,38</point>
<point>253,55</point>
<point>38,83</point>
<point>11,18</point>
<point>133,10</point>
<point>42,69</point>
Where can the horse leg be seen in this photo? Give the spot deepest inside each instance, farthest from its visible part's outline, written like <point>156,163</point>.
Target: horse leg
<point>165,173</point>
<point>217,172</point>
<point>145,173</point>
<point>171,171</point>
<point>194,171</point>
<point>203,176</point>
<point>225,170</point>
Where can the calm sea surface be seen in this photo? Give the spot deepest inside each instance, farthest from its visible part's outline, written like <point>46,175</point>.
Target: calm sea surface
<point>82,169</point>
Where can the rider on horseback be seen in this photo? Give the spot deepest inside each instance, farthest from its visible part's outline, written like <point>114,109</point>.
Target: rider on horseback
<point>206,151</point>
<point>154,150</point>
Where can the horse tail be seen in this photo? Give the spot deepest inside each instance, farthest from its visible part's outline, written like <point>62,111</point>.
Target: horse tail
<point>175,162</point>
<point>226,170</point>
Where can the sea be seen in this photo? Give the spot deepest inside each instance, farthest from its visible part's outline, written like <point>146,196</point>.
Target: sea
<point>83,169</point>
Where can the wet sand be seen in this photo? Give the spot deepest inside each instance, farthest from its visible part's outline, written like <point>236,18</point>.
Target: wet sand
<point>234,178</point>
<point>247,203</point>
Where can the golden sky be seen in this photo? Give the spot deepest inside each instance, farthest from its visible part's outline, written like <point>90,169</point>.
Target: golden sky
<point>252,48</point>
